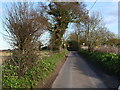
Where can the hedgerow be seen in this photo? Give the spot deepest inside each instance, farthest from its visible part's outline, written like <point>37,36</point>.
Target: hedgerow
<point>109,61</point>
<point>33,76</point>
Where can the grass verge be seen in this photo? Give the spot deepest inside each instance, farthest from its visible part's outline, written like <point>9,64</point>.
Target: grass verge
<point>36,75</point>
<point>109,62</point>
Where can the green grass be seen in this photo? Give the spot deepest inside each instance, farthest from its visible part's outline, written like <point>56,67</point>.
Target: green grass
<point>108,61</point>
<point>38,73</point>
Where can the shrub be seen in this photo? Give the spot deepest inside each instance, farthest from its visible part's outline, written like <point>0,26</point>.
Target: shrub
<point>33,76</point>
<point>110,61</point>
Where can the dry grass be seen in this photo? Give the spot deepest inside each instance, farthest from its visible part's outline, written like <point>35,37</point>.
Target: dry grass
<point>5,54</point>
<point>43,53</point>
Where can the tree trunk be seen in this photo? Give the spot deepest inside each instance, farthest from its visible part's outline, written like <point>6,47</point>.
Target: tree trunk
<point>56,40</point>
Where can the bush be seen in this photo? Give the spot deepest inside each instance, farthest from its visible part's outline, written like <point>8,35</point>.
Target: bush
<point>110,61</point>
<point>32,76</point>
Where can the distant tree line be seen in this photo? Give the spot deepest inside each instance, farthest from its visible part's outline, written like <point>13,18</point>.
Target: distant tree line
<point>93,33</point>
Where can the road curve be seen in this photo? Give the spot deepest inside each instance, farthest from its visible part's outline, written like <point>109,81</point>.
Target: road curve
<point>75,73</point>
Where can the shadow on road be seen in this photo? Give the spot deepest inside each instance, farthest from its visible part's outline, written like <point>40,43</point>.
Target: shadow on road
<point>94,73</point>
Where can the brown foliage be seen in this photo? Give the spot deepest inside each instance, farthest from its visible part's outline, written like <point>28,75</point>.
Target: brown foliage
<point>24,24</point>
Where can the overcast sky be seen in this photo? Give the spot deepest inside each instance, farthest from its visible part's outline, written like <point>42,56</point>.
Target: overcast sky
<point>109,11</point>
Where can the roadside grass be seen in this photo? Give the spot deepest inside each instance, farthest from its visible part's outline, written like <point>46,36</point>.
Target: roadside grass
<point>38,73</point>
<point>108,61</point>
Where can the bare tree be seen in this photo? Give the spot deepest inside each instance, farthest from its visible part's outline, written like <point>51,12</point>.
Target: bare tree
<point>24,24</point>
<point>96,32</point>
<point>92,32</point>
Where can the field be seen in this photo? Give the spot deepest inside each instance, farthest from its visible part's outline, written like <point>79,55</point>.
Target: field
<point>4,55</point>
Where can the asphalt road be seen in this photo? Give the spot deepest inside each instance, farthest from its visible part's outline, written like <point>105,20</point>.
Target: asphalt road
<point>75,73</point>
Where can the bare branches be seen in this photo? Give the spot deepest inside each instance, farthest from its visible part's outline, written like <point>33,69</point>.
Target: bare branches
<point>24,24</point>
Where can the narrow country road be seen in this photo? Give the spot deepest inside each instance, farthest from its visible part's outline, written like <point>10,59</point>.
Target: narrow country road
<point>75,73</point>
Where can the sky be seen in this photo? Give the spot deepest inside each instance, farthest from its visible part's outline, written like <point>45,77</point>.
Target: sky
<point>108,10</point>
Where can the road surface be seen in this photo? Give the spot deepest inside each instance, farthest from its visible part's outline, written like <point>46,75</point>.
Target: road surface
<point>75,73</point>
